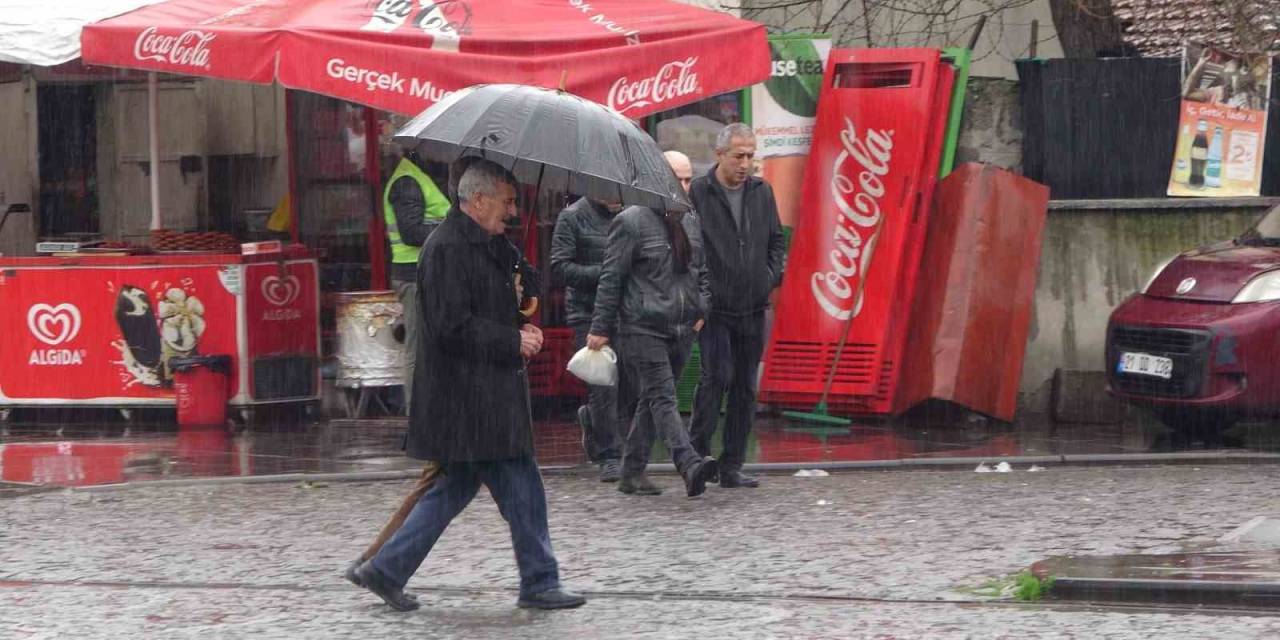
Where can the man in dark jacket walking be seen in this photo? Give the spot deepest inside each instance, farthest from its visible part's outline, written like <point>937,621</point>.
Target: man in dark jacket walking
<point>471,398</point>
<point>651,299</point>
<point>577,251</point>
<point>745,252</point>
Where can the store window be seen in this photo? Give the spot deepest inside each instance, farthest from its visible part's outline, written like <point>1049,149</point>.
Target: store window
<point>692,129</point>
<point>68,139</point>
<point>336,193</point>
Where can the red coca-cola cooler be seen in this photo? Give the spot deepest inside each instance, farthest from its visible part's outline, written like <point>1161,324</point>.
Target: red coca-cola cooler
<point>106,330</point>
<point>856,251</point>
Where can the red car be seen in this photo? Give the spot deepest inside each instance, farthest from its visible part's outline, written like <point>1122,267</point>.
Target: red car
<point>1200,344</point>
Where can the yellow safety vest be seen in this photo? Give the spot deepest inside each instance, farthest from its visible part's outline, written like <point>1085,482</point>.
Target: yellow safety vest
<point>437,207</point>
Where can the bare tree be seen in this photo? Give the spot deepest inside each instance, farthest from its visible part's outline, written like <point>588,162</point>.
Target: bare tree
<point>1087,28</point>
<point>884,23</point>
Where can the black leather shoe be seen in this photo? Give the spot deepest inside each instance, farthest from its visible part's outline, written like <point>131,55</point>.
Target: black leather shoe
<point>351,575</point>
<point>551,599</point>
<point>639,485</point>
<point>736,479</point>
<point>354,578</point>
<point>394,596</point>
<point>697,474</point>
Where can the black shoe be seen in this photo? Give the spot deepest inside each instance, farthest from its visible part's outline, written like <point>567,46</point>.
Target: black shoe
<point>551,599</point>
<point>697,474</point>
<point>353,577</point>
<point>394,596</point>
<point>584,422</point>
<point>736,479</point>
<point>610,470</point>
<point>639,485</point>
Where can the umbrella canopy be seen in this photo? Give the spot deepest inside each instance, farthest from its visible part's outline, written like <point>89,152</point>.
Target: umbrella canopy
<point>552,139</point>
<point>637,56</point>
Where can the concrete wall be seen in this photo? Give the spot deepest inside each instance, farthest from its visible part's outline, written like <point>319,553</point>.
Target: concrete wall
<point>1094,258</point>
<point>991,131</point>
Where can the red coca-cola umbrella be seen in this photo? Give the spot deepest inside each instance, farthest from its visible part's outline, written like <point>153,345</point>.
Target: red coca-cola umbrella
<point>636,56</point>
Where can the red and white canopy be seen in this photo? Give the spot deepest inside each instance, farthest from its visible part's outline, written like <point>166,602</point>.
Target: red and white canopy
<point>636,56</point>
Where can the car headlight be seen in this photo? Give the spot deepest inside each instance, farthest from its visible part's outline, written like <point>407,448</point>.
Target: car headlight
<point>1156,274</point>
<point>1263,288</point>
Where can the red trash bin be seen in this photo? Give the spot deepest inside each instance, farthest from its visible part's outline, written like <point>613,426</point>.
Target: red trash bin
<point>200,385</point>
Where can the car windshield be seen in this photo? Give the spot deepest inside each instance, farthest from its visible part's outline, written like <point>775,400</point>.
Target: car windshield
<point>1265,231</point>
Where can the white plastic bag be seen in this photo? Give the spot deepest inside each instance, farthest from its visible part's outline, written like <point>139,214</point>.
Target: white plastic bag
<point>599,368</point>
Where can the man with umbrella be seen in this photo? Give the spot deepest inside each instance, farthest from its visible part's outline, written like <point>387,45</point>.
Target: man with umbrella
<point>471,404</point>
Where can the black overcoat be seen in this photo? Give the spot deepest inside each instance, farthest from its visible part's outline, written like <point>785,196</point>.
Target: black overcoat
<point>470,387</point>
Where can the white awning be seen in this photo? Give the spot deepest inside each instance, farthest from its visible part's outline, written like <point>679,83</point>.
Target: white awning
<point>47,32</point>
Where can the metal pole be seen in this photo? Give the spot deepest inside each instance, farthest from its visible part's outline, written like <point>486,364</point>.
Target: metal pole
<point>1035,37</point>
<point>153,135</point>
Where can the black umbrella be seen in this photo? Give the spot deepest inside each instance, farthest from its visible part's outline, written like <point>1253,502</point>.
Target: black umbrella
<point>549,139</point>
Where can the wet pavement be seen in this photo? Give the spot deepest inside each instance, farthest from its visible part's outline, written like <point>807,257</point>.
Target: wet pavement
<point>868,554</point>
<point>1223,578</point>
<point>89,454</point>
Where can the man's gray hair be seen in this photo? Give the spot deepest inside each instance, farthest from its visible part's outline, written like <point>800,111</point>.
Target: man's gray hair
<point>735,130</point>
<point>482,177</point>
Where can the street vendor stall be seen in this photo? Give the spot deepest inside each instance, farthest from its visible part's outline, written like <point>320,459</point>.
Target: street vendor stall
<point>103,330</point>
<point>637,57</point>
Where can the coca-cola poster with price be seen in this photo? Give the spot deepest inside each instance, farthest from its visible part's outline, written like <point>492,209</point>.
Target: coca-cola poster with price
<point>783,109</point>
<point>1222,126</point>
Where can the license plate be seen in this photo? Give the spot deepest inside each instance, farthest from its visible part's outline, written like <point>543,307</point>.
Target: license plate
<point>1145,364</point>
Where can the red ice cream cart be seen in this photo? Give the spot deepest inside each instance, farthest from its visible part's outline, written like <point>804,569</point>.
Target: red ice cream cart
<point>102,330</point>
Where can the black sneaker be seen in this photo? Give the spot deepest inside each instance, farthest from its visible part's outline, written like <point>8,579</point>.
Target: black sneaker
<point>610,470</point>
<point>639,485</point>
<point>697,474</point>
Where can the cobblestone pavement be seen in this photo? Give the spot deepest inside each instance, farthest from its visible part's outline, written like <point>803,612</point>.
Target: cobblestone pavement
<point>892,554</point>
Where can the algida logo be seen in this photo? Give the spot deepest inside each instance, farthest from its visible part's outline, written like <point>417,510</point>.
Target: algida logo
<point>54,326</point>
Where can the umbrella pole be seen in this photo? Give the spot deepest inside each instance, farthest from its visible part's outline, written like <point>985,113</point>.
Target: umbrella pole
<point>153,143</point>
<point>533,217</point>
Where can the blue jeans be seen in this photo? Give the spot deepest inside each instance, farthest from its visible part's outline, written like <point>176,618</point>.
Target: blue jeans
<point>516,485</point>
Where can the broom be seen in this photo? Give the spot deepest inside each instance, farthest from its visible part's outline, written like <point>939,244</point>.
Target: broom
<point>820,415</point>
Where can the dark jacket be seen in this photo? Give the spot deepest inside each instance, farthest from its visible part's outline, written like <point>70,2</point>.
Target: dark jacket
<point>639,290</point>
<point>470,389</point>
<point>408,203</point>
<point>745,265</point>
<point>577,251</point>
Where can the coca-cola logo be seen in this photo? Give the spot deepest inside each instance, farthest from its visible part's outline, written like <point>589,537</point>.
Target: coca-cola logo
<point>840,291</point>
<point>281,291</point>
<point>187,49</point>
<point>673,80</point>
<point>54,325</point>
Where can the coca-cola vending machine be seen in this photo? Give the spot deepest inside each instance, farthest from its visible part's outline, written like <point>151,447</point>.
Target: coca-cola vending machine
<point>856,251</point>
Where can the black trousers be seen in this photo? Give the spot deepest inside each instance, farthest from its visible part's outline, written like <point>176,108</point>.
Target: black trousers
<point>647,387</point>
<point>730,349</point>
<point>604,438</point>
